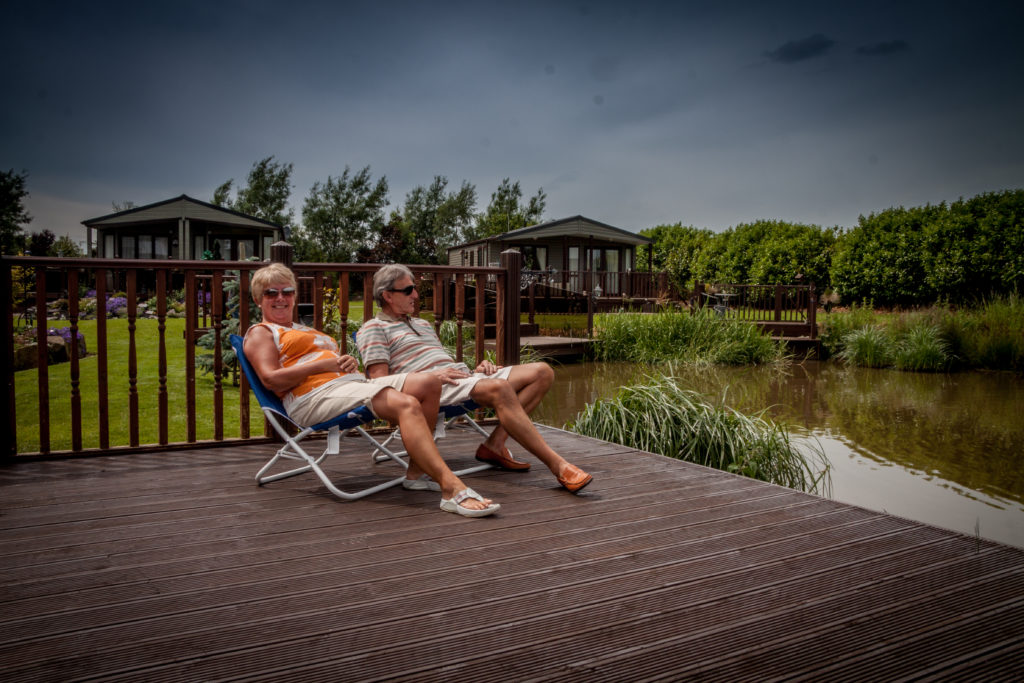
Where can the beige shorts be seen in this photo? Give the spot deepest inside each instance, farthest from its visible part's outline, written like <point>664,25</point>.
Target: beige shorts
<point>340,397</point>
<point>452,394</point>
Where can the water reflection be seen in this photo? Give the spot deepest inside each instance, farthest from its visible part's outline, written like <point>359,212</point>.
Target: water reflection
<point>943,449</point>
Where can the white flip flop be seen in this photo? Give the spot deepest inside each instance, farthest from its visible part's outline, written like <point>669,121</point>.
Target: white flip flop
<point>453,504</point>
<point>424,483</point>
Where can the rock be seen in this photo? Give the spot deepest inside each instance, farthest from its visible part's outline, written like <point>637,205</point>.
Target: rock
<point>25,356</point>
<point>57,350</point>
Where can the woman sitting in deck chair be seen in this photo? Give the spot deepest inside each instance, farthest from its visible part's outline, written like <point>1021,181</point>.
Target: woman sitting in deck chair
<point>316,383</point>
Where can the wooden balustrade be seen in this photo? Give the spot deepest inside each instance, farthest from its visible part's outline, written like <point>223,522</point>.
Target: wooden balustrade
<point>784,310</point>
<point>33,282</point>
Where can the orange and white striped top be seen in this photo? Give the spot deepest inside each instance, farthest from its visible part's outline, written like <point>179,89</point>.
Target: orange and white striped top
<point>299,344</point>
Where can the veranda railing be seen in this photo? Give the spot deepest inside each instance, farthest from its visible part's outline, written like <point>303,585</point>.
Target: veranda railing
<point>32,283</point>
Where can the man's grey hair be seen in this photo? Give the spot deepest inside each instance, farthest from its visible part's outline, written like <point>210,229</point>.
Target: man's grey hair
<point>385,279</point>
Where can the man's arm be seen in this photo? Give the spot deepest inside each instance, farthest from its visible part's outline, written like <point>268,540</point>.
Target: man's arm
<point>376,370</point>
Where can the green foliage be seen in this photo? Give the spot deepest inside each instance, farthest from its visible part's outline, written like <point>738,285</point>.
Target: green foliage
<point>229,326</point>
<point>340,217</point>
<point>12,211</point>
<point>939,338</point>
<point>834,327</point>
<point>922,349</point>
<point>436,220</point>
<point>868,347</point>
<point>265,195</point>
<point>675,335</point>
<point>959,253</point>
<point>773,252</point>
<point>677,250</point>
<point>40,243</point>
<point>65,246</point>
<point>660,416</point>
<point>505,213</point>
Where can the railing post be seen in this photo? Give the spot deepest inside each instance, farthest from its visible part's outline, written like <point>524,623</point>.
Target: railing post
<point>8,400</point>
<point>507,341</point>
<point>778,303</point>
<point>812,310</point>
<point>282,252</point>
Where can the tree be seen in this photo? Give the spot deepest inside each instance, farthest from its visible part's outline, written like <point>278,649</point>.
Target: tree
<point>394,243</point>
<point>40,243</point>
<point>265,194</point>
<point>124,206</point>
<point>12,211</point>
<point>436,220</point>
<point>341,216</point>
<point>65,246</point>
<point>504,213</point>
<point>676,249</point>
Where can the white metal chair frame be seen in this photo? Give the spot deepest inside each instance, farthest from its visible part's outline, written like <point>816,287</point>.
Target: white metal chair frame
<point>276,415</point>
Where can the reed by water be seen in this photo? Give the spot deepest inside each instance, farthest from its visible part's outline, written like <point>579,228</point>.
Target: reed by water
<point>700,337</point>
<point>660,416</point>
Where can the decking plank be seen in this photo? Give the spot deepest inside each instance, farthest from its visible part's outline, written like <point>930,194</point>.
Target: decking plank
<point>178,567</point>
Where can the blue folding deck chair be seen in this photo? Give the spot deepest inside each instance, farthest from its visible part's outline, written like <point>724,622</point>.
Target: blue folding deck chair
<point>448,415</point>
<point>276,415</point>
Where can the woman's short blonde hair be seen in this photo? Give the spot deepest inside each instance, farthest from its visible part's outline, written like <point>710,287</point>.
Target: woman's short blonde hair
<point>275,272</point>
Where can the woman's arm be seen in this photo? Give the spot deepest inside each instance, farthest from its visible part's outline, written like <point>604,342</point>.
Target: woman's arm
<point>262,354</point>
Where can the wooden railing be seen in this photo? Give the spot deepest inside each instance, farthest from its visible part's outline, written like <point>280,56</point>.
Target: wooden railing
<point>629,284</point>
<point>31,283</point>
<point>783,310</point>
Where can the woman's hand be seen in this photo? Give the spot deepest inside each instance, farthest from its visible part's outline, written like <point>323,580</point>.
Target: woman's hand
<point>347,364</point>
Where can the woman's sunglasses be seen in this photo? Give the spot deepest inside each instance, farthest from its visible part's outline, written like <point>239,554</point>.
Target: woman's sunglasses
<point>404,290</point>
<point>272,293</point>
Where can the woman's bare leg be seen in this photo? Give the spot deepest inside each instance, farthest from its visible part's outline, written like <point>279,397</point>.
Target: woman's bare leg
<point>418,438</point>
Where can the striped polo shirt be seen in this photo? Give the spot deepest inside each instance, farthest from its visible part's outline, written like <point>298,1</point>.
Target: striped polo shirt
<point>406,344</point>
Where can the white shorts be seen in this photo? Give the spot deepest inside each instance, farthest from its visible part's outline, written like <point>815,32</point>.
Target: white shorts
<point>452,394</point>
<point>340,397</point>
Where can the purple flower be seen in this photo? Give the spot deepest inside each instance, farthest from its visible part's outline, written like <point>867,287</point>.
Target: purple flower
<point>64,333</point>
<point>116,302</point>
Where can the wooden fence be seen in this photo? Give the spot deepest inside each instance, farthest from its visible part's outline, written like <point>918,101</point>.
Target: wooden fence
<point>782,310</point>
<point>31,283</point>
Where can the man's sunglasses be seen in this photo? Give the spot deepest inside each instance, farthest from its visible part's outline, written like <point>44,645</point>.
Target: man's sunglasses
<point>404,290</point>
<point>272,293</point>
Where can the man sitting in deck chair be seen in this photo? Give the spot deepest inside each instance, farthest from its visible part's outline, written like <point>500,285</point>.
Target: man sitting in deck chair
<point>315,383</point>
<point>396,341</point>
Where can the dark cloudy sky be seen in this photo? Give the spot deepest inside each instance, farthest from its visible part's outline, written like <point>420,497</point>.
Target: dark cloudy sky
<point>632,113</point>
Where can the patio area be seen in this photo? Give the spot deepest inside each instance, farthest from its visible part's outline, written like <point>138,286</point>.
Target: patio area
<point>175,566</point>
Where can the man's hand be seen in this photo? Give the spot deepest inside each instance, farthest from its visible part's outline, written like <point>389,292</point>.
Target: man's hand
<point>487,368</point>
<point>450,375</point>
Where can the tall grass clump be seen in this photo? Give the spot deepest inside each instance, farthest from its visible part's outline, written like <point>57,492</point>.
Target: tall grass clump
<point>869,347</point>
<point>990,336</point>
<point>660,416</point>
<point>938,338</point>
<point>922,349</point>
<point>835,326</point>
<point>681,336</point>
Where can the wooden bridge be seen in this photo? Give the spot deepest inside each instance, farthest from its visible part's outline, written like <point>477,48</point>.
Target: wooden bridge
<point>175,566</point>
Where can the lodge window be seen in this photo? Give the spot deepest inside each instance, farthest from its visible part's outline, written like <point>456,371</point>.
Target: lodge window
<point>534,257</point>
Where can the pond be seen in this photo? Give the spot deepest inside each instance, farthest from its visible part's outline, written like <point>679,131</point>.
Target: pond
<point>947,450</point>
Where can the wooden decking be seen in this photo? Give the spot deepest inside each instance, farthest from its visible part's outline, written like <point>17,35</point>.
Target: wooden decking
<point>177,567</point>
